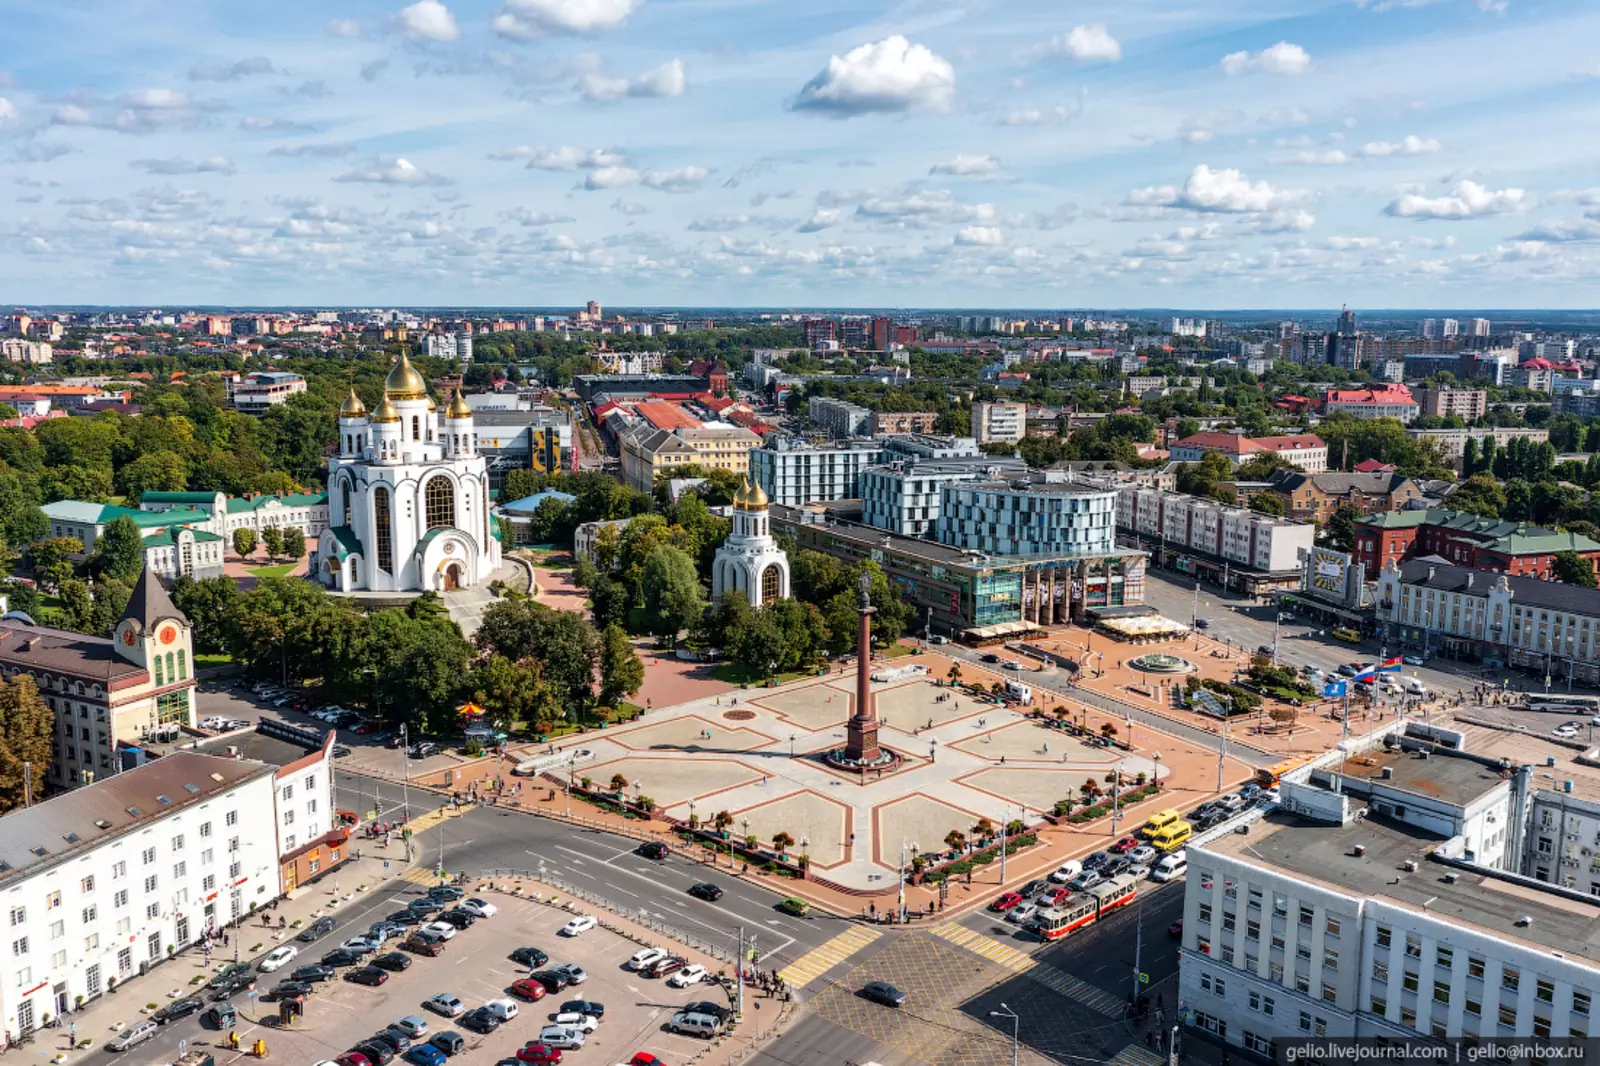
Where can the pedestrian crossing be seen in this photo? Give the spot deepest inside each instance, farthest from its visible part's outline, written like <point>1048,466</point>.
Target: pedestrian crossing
<point>424,822</point>
<point>819,960</point>
<point>1134,1055</point>
<point>1021,962</point>
<point>423,875</point>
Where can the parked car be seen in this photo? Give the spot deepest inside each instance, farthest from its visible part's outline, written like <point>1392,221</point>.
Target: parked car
<point>701,1025</point>
<point>411,1025</point>
<point>1202,623</point>
<point>425,906</point>
<point>393,961</point>
<point>480,1021</point>
<point>353,1058</point>
<point>445,893</point>
<point>689,975</point>
<point>653,849</point>
<point>394,1038</point>
<point>536,1054</point>
<point>581,924</point>
<point>292,990</point>
<point>448,1042</point>
<point>442,930</point>
<point>529,957</point>
<point>312,974</point>
<point>341,957</point>
<point>883,992</point>
<point>457,919</point>
<point>1413,660</point>
<point>645,958</point>
<point>585,1006</point>
<point>584,1023</point>
<point>478,908</point>
<point>379,1053</point>
<point>421,945</point>
<point>446,1004</point>
<point>721,1013</point>
<point>663,967</point>
<point>562,1036</point>
<point>706,891</point>
<point>504,1009</point>
<point>426,1055</point>
<point>364,945</point>
<point>575,974</point>
<point>367,975</point>
<point>529,989</point>
<point>177,1009</point>
<point>552,980</point>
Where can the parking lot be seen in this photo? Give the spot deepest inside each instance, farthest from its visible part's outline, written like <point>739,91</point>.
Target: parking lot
<point>476,967</point>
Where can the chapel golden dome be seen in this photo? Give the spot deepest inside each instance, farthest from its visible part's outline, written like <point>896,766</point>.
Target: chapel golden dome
<point>750,497</point>
<point>404,383</point>
<point>352,406</point>
<point>459,408</point>
<point>386,411</point>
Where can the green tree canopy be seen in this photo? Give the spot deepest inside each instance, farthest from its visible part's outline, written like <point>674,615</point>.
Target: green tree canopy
<point>1574,569</point>
<point>119,550</point>
<point>621,669</point>
<point>671,587</point>
<point>26,728</point>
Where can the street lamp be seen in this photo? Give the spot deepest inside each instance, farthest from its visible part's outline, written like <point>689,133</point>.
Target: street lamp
<point>1016,1023</point>
<point>791,745</point>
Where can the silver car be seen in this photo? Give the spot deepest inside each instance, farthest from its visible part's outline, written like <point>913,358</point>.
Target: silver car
<point>562,1036</point>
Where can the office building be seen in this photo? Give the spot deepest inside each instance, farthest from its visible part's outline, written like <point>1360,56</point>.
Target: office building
<point>1441,403</point>
<point>793,472</point>
<point>928,446</point>
<point>905,495</point>
<point>1386,401</point>
<point>999,422</point>
<point>887,422</point>
<point>265,389</point>
<point>1467,540</point>
<point>1239,549</point>
<point>1047,513</point>
<point>839,417</point>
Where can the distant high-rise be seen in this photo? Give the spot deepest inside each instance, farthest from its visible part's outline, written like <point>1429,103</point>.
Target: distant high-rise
<point>1452,327</point>
<point>819,330</point>
<point>1287,330</point>
<point>1429,328</point>
<point>1480,327</point>
<point>594,310</point>
<point>1347,323</point>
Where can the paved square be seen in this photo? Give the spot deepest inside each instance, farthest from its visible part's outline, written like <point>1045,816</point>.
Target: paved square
<point>822,823</point>
<point>669,781</point>
<point>1030,741</point>
<point>913,706</point>
<point>1038,790</point>
<point>918,820</point>
<point>811,708</point>
<point>688,734</point>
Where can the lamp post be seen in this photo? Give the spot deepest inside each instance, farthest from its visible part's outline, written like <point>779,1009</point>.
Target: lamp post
<point>1016,1022</point>
<point>405,784</point>
<point>791,745</point>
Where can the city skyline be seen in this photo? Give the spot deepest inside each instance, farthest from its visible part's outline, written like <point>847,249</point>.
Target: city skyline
<point>739,154</point>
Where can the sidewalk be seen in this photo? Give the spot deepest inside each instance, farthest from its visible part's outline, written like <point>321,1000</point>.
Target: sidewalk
<point>182,975</point>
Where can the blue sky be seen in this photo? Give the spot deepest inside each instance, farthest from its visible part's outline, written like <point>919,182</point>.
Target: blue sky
<point>1184,153</point>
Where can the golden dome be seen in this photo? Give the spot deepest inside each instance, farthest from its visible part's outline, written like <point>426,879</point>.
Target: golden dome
<point>386,412</point>
<point>352,406</point>
<point>750,497</point>
<point>404,383</point>
<point>458,407</point>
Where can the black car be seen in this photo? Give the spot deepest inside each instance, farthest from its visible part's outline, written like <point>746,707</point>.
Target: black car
<point>312,974</point>
<point>222,988</point>
<point>394,1038</point>
<point>989,657</point>
<point>1033,888</point>
<point>883,992</point>
<point>291,989</point>
<point>367,975</point>
<point>422,750</point>
<point>653,850</point>
<point>553,980</point>
<point>406,917</point>
<point>706,891</point>
<point>529,957</point>
<point>378,1053</point>
<point>459,919</point>
<point>341,957</point>
<point>340,751</point>
<point>481,1020</point>
<point>393,961</point>
<point>228,973</point>
<point>178,1008</point>
<point>1096,860</point>
<point>1264,649</point>
<point>424,906</point>
<point>1115,866</point>
<point>448,1042</point>
<point>717,1011</point>
<point>317,930</point>
<point>584,1006</point>
<point>445,893</point>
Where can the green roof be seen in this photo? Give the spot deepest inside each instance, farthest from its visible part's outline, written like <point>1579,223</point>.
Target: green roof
<point>103,513</point>
<point>240,504</point>
<point>164,538</point>
<point>349,543</point>
<point>179,497</point>
<point>1493,534</point>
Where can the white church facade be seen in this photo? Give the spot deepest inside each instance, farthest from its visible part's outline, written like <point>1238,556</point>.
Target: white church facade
<point>750,561</point>
<point>408,496</point>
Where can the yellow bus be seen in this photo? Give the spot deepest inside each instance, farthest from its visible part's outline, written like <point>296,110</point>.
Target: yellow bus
<point>1346,633</point>
<point>1158,821</point>
<point>1171,838</point>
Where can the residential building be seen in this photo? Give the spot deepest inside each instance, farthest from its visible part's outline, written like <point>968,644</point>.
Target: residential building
<point>1441,403</point>
<point>1428,328</point>
<point>1465,540</point>
<point>305,511</point>
<point>1451,327</point>
<point>586,537</point>
<point>999,422</point>
<point>1047,513</point>
<point>1386,401</point>
<point>107,692</point>
<point>886,422</point>
<point>34,353</point>
<point>905,496</point>
<point>793,472</point>
<point>1506,620</point>
<point>841,418</point>
<point>631,363</point>
<point>721,446</point>
<point>1581,404</point>
<point>1453,442</point>
<point>647,452</point>
<point>819,331</point>
<point>265,389</point>
<point>108,883</point>
<point>456,346</point>
<point>1347,323</point>
<point>1238,549</point>
<point>1306,451</point>
<point>1536,374</point>
<point>1314,497</point>
<point>1480,327</point>
<point>179,541</point>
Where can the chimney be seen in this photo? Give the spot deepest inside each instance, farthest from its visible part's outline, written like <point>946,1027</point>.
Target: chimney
<point>1431,571</point>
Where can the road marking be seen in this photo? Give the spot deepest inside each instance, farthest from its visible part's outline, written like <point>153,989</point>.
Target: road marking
<point>1021,962</point>
<point>819,960</point>
<point>1134,1055</point>
<point>569,851</point>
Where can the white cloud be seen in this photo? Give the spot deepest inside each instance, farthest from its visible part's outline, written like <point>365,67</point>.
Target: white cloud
<point>1330,158</point>
<point>924,208</point>
<point>612,177</point>
<point>1345,244</point>
<point>629,207</point>
<point>268,124</point>
<point>989,235</point>
<point>1216,190</point>
<point>888,76</point>
<point>719,223</point>
<point>666,80</point>
<point>1281,58</point>
<point>565,157</point>
<point>344,27</point>
<point>1285,116</point>
<point>1467,199</point>
<point>524,19</point>
<point>1089,43</point>
<point>428,20</point>
<point>71,115</point>
<point>328,149</point>
<point>966,165</point>
<point>1041,116</point>
<point>215,164</point>
<point>1293,220</point>
<point>682,179</point>
<point>1411,145</point>
<point>822,218</point>
<point>526,217</point>
<point>395,171</point>
<point>244,68</point>
<point>8,110</point>
<point>1558,232</point>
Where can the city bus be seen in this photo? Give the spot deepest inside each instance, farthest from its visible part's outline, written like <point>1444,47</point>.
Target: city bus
<point>1084,908</point>
<point>1558,703</point>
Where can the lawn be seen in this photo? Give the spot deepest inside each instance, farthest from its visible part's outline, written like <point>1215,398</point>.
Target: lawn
<point>206,661</point>
<point>735,674</point>
<point>273,571</point>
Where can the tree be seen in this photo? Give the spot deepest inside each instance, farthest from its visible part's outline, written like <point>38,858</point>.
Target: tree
<point>618,782</point>
<point>671,589</point>
<point>79,482</point>
<point>52,560</point>
<point>26,728</point>
<point>1574,569</point>
<point>210,605</point>
<point>564,643</point>
<point>161,471</point>
<point>955,840</point>
<point>512,693</point>
<point>21,521</point>
<point>888,622</point>
<point>94,609</point>
<point>1340,532</point>
<point>1260,467</point>
<point>721,820</point>
<point>1269,503</point>
<point>294,543</point>
<point>1283,716</point>
<point>1469,457</point>
<point>272,537</point>
<point>244,541</point>
<point>782,842</point>
<point>1481,495</point>
<point>119,551</point>
<point>621,669</point>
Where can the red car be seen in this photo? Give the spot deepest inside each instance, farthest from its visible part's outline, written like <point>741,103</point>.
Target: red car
<point>1175,930</point>
<point>1055,897</point>
<point>537,1054</point>
<point>644,1058</point>
<point>1006,902</point>
<point>1125,845</point>
<point>353,1058</point>
<point>532,991</point>
<point>366,727</point>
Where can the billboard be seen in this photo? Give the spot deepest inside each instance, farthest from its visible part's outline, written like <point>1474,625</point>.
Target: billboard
<point>1328,570</point>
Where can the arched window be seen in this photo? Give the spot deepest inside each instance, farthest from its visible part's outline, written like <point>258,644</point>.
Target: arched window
<point>161,678</point>
<point>440,497</point>
<point>172,674</point>
<point>348,490</point>
<point>380,504</point>
<point>771,584</point>
<point>183,665</point>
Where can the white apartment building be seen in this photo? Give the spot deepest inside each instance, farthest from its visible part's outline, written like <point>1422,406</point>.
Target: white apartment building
<point>1468,403</point>
<point>1480,327</point>
<point>265,389</point>
<point>1241,538</point>
<point>793,472</point>
<point>839,417</point>
<point>35,353</point>
<point>1453,442</point>
<point>456,346</point>
<point>999,422</point>
<point>904,495</point>
<point>106,883</point>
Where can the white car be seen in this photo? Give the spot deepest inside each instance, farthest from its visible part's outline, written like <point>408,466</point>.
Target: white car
<point>279,957</point>
<point>442,930</point>
<point>689,975</point>
<point>1139,871</point>
<point>645,957</point>
<point>584,1023</point>
<point>562,1037</point>
<point>1143,854</point>
<point>504,1009</point>
<point>446,1004</point>
<point>581,924</point>
<point>1022,912</point>
<point>575,974</point>
<point>478,908</point>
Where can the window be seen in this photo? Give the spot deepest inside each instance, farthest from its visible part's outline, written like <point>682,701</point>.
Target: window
<point>124,925</point>
<point>91,942</point>
<point>1541,1026</point>
<point>177,842</point>
<point>1302,983</point>
<point>1409,982</point>
<point>1280,904</point>
<point>1474,967</point>
<point>1306,915</point>
<point>1330,992</point>
<point>119,870</point>
<point>1408,1017</point>
<point>1277,941</point>
<point>120,898</point>
<point>1441,991</point>
<point>311,782</point>
<point>440,502</point>
<point>288,817</point>
<point>1305,1021</point>
<point>153,911</point>
<point>382,521</point>
<point>1252,929</point>
<point>232,818</point>
<point>233,844</point>
<point>206,857</point>
<point>179,869</point>
<point>58,961</point>
<point>1259,1044</point>
<point>1413,947</point>
<point>87,884</point>
<point>288,792</point>
<point>24,976</point>
<point>1204,913</point>
<point>289,842</point>
<point>150,883</point>
<point>205,829</point>
<point>1275,972</point>
<point>1544,991</point>
<point>52,900</point>
<point>1473,1007</point>
<point>90,913</point>
<point>1508,1014</point>
<point>233,870</point>
<point>1213,984</point>
<point>58,929</point>
<point>19,915</point>
<point>1228,924</point>
<point>1330,959</point>
<point>1262,1004</point>
<point>1333,926</point>
<point>149,856</point>
<point>1303,951</point>
<point>1580,1001</point>
<point>1380,971</point>
<point>19,946</point>
<point>208,882</point>
<point>1510,979</point>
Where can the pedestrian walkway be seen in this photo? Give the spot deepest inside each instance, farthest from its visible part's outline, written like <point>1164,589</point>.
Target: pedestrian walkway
<point>819,960</point>
<point>1134,1055</point>
<point>1022,963</point>
<point>423,875</point>
<point>424,822</point>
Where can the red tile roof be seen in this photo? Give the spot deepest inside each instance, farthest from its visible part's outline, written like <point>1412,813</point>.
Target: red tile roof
<point>665,415</point>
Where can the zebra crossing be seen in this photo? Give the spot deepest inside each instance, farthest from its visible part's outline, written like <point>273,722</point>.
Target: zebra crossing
<point>424,875</point>
<point>1134,1055</point>
<point>824,957</point>
<point>1021,962</point>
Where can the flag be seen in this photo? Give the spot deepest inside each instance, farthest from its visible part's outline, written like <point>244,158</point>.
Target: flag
<point>1369,675</point>
<point>1333,689</point>
<point>1390,666</point>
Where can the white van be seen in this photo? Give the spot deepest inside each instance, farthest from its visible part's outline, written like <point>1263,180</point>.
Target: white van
<point>1171,866</point>
<point>504,1009</point>
<point>1016,690</point>
<point>1415,687</point>
<point>1066,871</point>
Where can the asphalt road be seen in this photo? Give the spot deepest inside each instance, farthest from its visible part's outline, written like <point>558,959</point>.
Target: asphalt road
<point>487,838</point>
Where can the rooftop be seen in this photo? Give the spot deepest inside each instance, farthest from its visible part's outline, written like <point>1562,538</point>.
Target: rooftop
<point>1451,780</point>
<point>1496,534</point>
<point>64,652</point>
<point>1525,591</point>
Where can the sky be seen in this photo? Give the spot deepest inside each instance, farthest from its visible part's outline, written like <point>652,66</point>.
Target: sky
<point>773,153</point>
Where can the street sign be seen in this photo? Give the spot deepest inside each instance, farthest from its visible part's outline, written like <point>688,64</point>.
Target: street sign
<point>372,816</point>
<point>1333,689</point>
<point>1144,978</point>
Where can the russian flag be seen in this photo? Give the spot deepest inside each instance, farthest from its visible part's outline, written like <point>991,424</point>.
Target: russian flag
<point>1368,675</point>
<point>1390,666</point>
